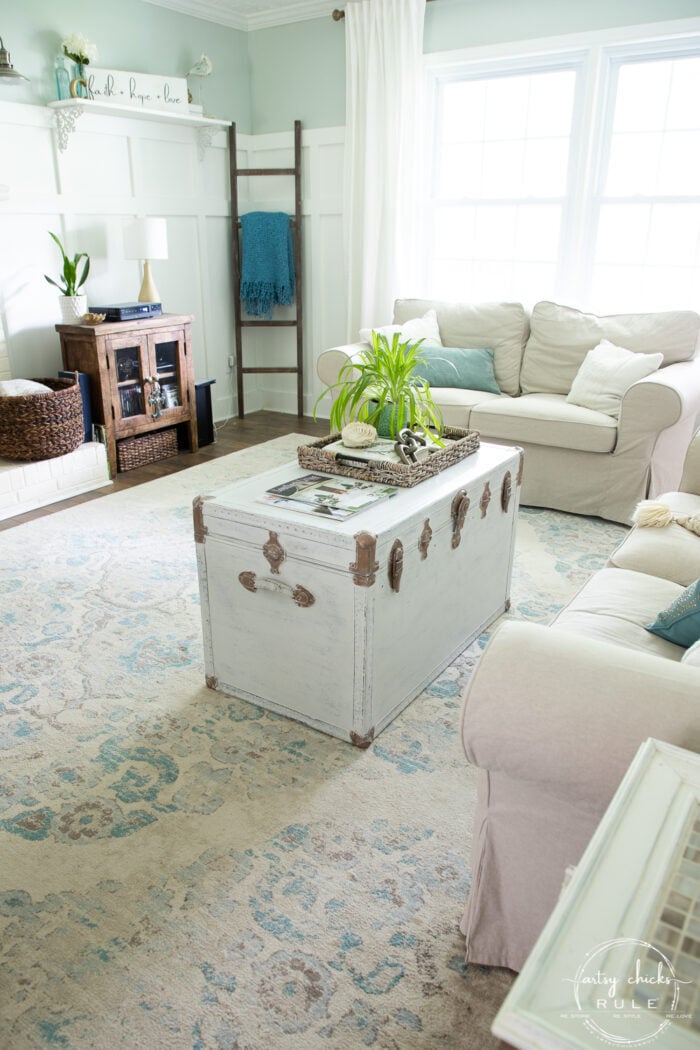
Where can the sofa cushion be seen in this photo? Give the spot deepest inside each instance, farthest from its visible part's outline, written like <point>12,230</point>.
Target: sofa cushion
<point>545,419</point>
<point>425,327</point>
<point>456,404</point>
<point>560,338</point>
<point>606,374</point>
<point>680,621</point>
<point>671,552</point>
<point>692,656</point>
<point>615,605</point>
<point>449,366</point>
<point>502,327</point>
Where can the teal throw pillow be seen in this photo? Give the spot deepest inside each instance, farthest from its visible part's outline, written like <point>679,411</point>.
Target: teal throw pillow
<point>450,366</point>
<point>680,623</point>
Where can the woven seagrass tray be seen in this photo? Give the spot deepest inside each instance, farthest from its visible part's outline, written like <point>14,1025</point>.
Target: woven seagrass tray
<point>42,426</point>
<point>146,448</point>
<point>460,444</point>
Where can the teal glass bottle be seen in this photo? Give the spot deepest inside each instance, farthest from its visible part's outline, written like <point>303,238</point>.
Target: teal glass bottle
<point>62,79</point>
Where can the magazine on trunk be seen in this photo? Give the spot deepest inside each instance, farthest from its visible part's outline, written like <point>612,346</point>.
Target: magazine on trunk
<point>329,497</point>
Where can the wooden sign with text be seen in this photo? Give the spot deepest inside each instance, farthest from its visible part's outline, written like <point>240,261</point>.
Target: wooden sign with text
<point>140,90</point>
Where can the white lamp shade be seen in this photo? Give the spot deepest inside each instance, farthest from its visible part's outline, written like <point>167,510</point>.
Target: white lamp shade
<point>146,239</point>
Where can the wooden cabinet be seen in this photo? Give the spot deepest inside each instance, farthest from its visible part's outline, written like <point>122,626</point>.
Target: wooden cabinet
<point>141,376</point>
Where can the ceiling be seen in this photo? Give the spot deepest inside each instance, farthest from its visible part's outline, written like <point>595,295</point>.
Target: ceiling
<point>251,14</point>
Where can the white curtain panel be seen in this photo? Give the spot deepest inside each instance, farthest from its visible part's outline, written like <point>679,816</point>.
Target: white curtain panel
<point>383,155</point>
<point>5,370</point>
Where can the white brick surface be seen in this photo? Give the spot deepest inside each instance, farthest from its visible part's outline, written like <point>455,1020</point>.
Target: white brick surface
<point>7,499</point>
<point>39,493</point>
<point>26,486</point>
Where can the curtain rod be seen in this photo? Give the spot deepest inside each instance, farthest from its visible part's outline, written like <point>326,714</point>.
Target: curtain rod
<point>337,14</point>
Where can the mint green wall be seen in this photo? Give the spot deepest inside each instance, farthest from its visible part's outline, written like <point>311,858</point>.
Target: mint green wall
<point>299,70</point>
<point>266,79</point>
<point>129,35</point>
<point>453,24</point>
<point>298,73</point>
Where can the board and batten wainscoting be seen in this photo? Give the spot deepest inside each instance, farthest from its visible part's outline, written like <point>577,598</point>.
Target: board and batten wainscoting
<point>116,167</point>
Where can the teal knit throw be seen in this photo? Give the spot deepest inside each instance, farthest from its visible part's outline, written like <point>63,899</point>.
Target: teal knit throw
<point>267,270</point>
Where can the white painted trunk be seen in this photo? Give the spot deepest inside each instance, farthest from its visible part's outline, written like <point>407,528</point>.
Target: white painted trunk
<point>350,659</point>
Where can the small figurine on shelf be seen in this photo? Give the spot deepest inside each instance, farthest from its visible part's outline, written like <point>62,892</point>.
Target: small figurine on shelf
<point>156,398</point>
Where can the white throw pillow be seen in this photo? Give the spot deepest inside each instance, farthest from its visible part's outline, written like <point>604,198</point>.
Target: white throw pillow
<point>22,387</point>
<point>607,372</point>
<point>425,327</point>
<point>692,656</point>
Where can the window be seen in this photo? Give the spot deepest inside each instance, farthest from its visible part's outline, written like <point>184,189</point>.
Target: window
<point>501,178</point>
<point>647,210</point>
<point>573,175</point>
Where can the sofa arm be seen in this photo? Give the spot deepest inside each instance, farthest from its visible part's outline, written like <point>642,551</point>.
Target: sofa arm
<point>569,712</point>
<point>658,401</point>
<point>331,361</point>
<point>690,481</point>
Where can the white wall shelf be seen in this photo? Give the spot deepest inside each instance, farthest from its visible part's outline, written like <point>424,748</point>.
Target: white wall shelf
<point>66,114</point>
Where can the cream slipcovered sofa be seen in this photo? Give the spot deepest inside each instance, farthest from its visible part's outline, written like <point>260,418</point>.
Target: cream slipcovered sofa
<point>553,716</point>
<point>576,459</point>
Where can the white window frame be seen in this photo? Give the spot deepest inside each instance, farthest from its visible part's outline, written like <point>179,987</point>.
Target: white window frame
<point>597,57</point>
<point>612,59</point>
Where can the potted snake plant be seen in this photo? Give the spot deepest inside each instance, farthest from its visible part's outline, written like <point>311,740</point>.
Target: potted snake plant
<point>379,387</point>
<point>72,302</point>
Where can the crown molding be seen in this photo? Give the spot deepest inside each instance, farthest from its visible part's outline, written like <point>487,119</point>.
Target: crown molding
<point>208,10</point>
<point>223,12</point>
<point>301,11</point>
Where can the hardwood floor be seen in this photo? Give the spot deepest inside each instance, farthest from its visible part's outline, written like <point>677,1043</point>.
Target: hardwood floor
<point>231,437</point>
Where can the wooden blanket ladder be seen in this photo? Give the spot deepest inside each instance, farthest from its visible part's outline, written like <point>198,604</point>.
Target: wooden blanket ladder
<point>295,223</point>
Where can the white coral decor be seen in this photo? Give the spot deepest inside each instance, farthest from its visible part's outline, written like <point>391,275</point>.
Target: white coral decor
<point>79,48</point>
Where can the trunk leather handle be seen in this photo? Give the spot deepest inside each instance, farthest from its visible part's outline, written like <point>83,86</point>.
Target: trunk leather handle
<point>299,595</point>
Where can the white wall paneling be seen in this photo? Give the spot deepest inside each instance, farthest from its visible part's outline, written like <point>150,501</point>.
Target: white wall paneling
<point>115,168</point>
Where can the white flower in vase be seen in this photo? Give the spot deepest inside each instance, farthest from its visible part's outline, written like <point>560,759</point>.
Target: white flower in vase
<point>79,48</point>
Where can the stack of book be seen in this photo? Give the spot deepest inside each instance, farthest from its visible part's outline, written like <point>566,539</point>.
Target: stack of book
<point>382,450</point>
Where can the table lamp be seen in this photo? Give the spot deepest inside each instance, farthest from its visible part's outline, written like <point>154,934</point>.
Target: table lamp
<point>147,239</point>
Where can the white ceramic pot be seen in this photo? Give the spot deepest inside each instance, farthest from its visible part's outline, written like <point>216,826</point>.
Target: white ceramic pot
<point>72,307</point>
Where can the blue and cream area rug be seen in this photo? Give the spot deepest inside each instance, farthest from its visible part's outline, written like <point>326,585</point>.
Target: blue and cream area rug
<point>179,869</point>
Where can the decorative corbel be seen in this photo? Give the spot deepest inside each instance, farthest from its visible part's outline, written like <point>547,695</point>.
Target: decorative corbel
<point>64,122</point>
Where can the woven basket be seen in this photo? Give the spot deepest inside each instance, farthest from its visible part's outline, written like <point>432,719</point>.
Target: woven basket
<point>146,448</point>
<point>461,443</point>
<point>42,426</point>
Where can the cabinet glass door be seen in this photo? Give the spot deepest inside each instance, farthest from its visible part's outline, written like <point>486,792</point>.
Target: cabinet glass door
<point>167,370</point>
<point>127,362</point>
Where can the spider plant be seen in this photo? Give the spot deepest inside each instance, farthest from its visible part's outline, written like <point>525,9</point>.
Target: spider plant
<point>72,281</point>
<point>379,387</point>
